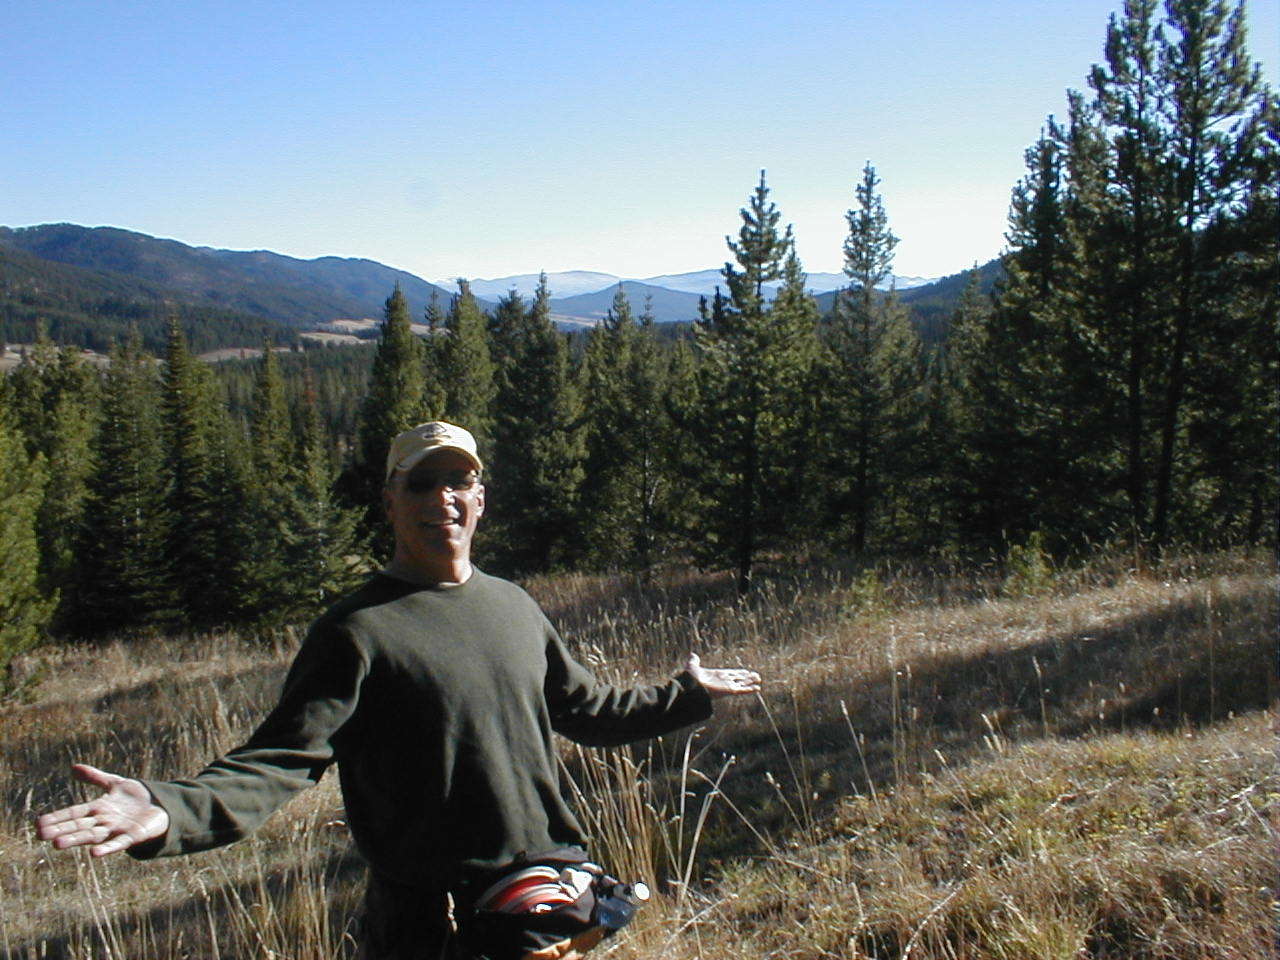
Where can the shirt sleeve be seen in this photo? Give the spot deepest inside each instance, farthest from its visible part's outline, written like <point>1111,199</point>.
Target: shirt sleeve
<point>288,752</point>
<point>600,715</point>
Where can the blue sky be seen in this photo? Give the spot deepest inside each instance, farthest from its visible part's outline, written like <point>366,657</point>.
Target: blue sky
<point>489,139</point>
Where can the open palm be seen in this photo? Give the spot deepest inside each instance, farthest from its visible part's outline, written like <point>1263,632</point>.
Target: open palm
<point>719,682</point>
<point>123,816</point>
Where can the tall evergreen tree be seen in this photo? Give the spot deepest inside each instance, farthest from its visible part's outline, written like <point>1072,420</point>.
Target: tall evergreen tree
<point>628,499</point>
<point>1120,245</point>
<point>54,398</point>
<point>751,361</point>
<point>323,553</point>
<point>469,374</point>
<point>536,468</point>
<point>1233,421</point>
<point>507,327</point>
<point>952,414</point>
<point>263,571</point>
<point>800,390</point>
<point>1214,113</point>
<point>205,485</point>
<point>270,424</point>
<point>25,609</point>
<point>123,577</point>
<point>1001,372</point>
<point>605,359</point>
<point>875,371</point>
<point>435,392</point>
<point>394,400</point>
<point>1162,156</point>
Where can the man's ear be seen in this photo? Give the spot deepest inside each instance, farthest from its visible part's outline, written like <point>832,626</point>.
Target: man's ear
<point>480,501</point>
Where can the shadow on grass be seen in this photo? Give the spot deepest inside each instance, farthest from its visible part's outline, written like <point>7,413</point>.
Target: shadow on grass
<point>185,926</point>
<point>638,628</point>
<point>1180,665</point>
<point>149,729</point>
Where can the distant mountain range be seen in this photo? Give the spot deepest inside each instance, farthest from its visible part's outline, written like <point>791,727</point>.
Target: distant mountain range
<point>701,283</point>
<point>310,293</point>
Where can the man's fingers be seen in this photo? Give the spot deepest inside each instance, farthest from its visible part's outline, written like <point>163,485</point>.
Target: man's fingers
<point>60,828</point>
<point>99,778</point>
<point>52,821</point>
<point>80,837</point>
<point>115,821</point>
<point>121,841</point>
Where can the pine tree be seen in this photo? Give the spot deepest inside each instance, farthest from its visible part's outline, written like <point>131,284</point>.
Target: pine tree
<point>1214,111</point>
<point>1161,154</point>
<point>536,472</point>
<point>322,550</point>
<point>25,610</point>
<point>434,389</point>
<point>1002,373</point>
<point>953,415</point>
<point>205,485</point>
<point>270,425</point>
<point>800,390</point>
<point>123,579</point>
<point>1121,244</point>
<point>54,399</point>
<point>683,406</point>
<point>1233,421</point>
<point>263,571</point>
<point>605,360</point>
<point>628,499</point>
<point>876,401</point>
<point>469,373</point>
<point>394,401</point>
<point>751,361</point>
<point>507,326</point>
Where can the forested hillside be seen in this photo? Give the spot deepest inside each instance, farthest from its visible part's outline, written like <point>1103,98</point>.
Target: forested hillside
<point>284,289</point>
<point>294,293</point>
<point>94,309</point>
<point>1110,381</point>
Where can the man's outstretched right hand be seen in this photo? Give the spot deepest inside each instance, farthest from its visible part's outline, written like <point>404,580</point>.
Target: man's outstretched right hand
<point>123,816</point>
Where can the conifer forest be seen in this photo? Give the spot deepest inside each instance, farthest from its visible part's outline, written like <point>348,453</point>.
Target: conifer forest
<point>1118,387</point>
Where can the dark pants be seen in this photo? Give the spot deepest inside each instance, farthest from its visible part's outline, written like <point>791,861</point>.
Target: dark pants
<point>406,923</point>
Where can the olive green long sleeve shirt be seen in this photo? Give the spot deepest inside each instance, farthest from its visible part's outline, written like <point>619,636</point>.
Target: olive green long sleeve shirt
<point>438,705</point>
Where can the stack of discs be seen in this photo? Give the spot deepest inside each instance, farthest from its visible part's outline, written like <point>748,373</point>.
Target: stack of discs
<point>532,890</point>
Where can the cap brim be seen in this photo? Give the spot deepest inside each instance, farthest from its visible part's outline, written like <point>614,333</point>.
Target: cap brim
<point>415,458</point>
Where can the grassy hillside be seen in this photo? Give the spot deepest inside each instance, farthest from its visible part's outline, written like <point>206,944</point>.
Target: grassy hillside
<point>942,766</point>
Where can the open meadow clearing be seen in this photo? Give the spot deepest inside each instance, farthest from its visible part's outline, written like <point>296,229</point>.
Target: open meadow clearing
<point>941,766</point>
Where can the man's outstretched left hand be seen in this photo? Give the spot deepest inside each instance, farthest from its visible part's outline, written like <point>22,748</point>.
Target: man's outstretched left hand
<point>723,683</point>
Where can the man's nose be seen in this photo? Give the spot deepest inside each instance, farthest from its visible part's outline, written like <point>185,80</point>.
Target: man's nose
<point>443,493</point>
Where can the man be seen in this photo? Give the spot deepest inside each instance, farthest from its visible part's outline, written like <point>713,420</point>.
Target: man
<point>435,688</point>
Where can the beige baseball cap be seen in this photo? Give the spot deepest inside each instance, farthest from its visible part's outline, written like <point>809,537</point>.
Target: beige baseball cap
<point>409,448</point>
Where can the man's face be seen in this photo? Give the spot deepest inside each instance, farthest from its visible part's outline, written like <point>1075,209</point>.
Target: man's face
<point>433,522</point>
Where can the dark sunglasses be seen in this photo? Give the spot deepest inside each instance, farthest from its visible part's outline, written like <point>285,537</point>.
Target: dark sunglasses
<point>452,479</point>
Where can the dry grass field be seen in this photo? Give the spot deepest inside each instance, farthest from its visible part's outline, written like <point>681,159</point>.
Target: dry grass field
<point>942,766</point>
